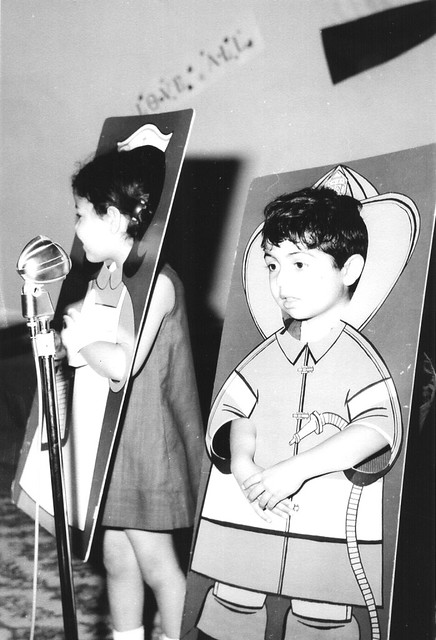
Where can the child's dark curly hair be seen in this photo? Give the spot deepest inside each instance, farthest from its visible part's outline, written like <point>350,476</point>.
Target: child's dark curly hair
<point>318,219</point>
<point>132,181</point>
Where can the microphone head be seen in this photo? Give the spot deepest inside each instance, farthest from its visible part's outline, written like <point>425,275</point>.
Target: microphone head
<point>43,261</point>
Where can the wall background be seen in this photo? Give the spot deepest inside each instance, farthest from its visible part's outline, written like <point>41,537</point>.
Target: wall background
<point>66,66</point>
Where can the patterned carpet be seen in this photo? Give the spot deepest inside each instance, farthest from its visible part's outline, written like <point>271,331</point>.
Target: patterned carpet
<point>16,577</point>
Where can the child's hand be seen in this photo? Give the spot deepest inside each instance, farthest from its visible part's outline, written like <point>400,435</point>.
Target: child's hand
<point>77,331</point>
<point>270,487</point>
<point>61,351</point>
<point>244,469</point>
<point>73,333</point>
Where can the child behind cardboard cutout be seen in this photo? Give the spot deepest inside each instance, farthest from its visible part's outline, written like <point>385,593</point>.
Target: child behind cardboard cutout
<point>332,558</point>
<point>90,424</point>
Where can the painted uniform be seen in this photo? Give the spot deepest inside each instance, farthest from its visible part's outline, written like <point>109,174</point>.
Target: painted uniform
<point>299,393</point>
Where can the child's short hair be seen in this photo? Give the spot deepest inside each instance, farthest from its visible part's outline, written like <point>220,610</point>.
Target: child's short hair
<point>132,181</point>
<point>318,219</point>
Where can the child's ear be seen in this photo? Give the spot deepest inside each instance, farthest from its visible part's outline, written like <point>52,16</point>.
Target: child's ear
<point>352,269</point>
<point>116,219</point>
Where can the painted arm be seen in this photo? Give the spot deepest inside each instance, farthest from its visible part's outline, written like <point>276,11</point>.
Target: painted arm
<point>343,450</point>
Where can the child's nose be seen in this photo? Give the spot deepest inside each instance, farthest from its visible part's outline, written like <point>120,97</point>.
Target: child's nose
<point>283,284</point>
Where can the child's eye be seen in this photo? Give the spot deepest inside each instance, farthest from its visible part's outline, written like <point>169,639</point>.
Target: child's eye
<point>299,265</point>
<point>271,266</point>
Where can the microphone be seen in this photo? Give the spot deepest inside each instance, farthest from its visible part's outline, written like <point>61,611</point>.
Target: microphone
<point>41,262</point>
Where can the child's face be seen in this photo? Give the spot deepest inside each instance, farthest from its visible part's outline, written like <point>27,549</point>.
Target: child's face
<point>93,231</point>
<point>305,283</point>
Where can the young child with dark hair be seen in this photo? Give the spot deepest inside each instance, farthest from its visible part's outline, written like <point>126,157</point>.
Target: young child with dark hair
<point>153,483</point>
<point>305,408</point>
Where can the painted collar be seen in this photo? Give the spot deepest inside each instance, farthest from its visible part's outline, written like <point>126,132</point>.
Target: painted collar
<point>292,347</point>
<point>108,285</point>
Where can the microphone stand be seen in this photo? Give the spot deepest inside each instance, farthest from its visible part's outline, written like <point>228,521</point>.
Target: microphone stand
<point>38,310</point>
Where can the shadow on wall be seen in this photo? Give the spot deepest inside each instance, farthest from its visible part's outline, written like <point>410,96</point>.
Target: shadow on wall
<point>192,245</point>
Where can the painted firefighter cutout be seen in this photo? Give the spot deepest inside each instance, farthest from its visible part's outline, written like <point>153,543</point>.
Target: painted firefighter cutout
<point>305,431</point>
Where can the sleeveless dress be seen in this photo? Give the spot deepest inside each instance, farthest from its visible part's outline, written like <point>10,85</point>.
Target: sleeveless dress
<point>156,469</point>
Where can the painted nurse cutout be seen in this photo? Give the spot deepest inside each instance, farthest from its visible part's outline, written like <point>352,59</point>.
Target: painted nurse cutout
<point>123,202</point>
<point>305,430</point>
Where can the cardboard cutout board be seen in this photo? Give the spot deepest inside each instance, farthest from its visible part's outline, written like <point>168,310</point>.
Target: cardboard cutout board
<point>87,452</point>
<point>328,568</point>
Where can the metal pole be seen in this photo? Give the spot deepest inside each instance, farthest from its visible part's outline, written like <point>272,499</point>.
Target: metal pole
<point>57,481</point>
<point>44,348</point>
<point>42,262</point>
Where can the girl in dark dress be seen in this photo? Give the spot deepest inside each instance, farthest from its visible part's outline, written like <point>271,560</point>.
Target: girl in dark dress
<point>153,485</point>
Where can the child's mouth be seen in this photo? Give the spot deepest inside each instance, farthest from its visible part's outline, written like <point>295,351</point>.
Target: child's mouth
<point>288,303</point>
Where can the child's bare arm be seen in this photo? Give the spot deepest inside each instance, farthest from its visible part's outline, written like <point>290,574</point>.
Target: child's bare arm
<point>108,359</point>
<point>162,303</point>
<point>112,359</point>
<point>342,451</point>
<point>242,450</point>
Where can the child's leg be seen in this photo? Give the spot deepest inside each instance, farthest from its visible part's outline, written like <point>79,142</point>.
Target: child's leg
<point>125,585</point>
<point>161,571</point>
